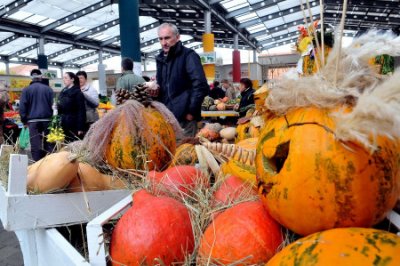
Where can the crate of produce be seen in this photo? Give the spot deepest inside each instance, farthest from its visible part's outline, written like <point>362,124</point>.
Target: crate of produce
<point>21,211</point>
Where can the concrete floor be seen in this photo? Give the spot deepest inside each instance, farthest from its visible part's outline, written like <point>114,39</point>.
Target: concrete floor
<point>10,252</point>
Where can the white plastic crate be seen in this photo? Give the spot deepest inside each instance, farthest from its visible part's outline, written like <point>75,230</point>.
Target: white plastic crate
<point>20,211</point>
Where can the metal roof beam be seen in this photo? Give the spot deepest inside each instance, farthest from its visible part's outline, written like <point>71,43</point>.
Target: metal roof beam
<point>96,60</point>
<point>172,15</point>
<point>111,41</point>
<point>213,2</point>
<point>82,57</point>
<point>280,43</point>
<point>364,3</point>
<point>170,3</point>
<point>227,23</point>
<point>275,15</point>
<point>13,7</point>
<point>97,29</point>
<point>23,61</point>
<point>60,52</point>
<point>9,39</point>
<point>252,8</point>
<point>76,15</point>
<point>25,50</point>
<point>279,37</point>
<point>383,20</point>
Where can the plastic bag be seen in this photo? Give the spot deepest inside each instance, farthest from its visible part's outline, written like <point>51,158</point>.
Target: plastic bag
<point>24,138</point>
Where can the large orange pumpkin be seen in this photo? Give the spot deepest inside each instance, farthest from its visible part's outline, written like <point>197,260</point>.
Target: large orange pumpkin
<point>311,182</point>
<point>244,170</point>
<point>342,247</point>
<point>243,233</point>
<point>153,230</point>
<point>150,147</point>
<point>180,180</point>
<point>231,189</point>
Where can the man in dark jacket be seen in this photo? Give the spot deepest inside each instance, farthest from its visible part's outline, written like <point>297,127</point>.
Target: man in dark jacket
<point>35,109</point>
<point>181,79</point>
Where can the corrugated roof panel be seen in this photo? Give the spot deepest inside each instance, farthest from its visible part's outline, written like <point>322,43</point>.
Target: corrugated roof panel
<point>266,11</point>
<point>256,28</point>
<point>289,4</point>
<point>20,15</point>
<point>16,45</point>
<point>247,17</point>
<point>232,5</point>
<point>274,22</point>
<point>4,35</point>
<point>75,53</point>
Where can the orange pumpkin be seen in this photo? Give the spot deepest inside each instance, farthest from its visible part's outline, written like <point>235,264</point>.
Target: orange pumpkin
<point>244,232</point>
<point>231,189</point>
<point>185,154</point>
<point>150,146</point>
<point>311,182</point>
<point>342,246</point>
<point>246,131</point>
<point>178,179</point>
<point>153,230</point>
<point>244,170</point>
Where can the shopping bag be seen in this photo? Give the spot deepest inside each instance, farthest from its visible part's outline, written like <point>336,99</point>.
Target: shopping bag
<point>24,138</point>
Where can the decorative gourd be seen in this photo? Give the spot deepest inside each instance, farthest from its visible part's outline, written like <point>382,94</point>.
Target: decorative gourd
<point>210,131</point>
<point>90,179</point>
<point>311,182</point>
<point>228,133</point>
<point>241,164</point>
<point>153,230</point>
<point>182,179</point>
<point>231,189</point>
<point>185,154</point>
<point>244,232</point>
<point>132,150</point>
<point>342,246</point>
<point>52,173</point>
<point>247,130</point>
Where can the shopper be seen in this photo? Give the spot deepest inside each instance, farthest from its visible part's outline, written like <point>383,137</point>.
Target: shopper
<point>71,108</point>
<point>216,91</point>
<point>128,79</point>
<point>91,99</point>
<point>35,110</point>
<point>230,91</point>
<point>247,96</point>
<point>181,79</point>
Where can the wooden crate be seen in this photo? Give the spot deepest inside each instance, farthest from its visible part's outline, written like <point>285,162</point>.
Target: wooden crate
<point>20,211</point>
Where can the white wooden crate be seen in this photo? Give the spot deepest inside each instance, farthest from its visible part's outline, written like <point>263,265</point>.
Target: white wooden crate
<point>19,211</point>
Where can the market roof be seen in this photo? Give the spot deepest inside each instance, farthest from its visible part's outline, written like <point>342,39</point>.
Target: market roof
<point>75,32</point>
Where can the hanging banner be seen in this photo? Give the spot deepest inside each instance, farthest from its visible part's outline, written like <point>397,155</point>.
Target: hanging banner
<point>207,58</point>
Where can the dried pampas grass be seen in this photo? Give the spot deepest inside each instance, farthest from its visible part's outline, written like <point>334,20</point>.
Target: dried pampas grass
<point>354,76</point>
<point>377,113</point>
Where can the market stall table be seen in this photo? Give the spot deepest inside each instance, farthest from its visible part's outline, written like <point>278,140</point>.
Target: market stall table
<point>205,114</point>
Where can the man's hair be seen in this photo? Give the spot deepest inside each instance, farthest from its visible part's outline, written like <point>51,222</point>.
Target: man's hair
<point>225,81</point>
<point>36,73</point>
<point>170,25</point>
<point>216,83</point>
<point>127,64</point>
<point>81,73</point>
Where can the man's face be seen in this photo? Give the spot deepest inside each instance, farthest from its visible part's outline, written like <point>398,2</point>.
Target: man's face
<point>82,80</point>
<point>167,38</point>
<point>225,85</point>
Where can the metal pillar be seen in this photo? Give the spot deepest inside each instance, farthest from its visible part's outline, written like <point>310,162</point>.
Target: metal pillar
<point>207,21</point>
<point>7,63</point>
<point>254,56</point>
<point>42,58</point>
<point>236,70</point>
<point>102,75</point>
<point>129,32</point>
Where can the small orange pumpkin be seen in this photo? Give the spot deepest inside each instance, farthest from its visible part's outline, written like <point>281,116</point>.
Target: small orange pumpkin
<point>342,246</point>
<point>154,228</point>
<point>311,182</point>
<point>244,232</point>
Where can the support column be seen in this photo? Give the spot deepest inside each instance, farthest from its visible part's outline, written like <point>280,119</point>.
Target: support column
<point>254,56</point>
<point>42,58</point>
<point>208,46</point>
<point>129,32</point>
<point>236,71</point>
<point>7,63</point>
<point>102,75</point>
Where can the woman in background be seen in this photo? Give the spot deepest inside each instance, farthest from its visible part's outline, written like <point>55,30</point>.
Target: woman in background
<point>71,108</point>
<point>247,97</point>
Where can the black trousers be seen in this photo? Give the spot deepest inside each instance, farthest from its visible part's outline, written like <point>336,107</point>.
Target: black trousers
<point>39,146</point>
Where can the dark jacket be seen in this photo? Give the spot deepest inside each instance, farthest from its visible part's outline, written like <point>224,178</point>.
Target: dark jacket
<point>246,100</point>
<point>217,93</point>
<point>182,82</point>
<point>71,108</point>
<point>36,103</point>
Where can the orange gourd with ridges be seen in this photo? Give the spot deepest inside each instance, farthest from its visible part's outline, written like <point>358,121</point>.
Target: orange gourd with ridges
<point>311,182</point>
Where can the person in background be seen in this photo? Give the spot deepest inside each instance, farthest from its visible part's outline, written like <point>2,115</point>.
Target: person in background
<point>228,89</point>
<point>128,79</point>
<point>71,108</point>
<point>216,92</point>
<point>247,97</point>
<point>35,110</point>
<point>4,98</point>
<point>91,99</point>
<point>182,84</point>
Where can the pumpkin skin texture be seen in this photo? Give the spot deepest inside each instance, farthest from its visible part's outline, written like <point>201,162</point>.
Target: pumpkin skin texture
<point>231,189</point>
<point>311,182</point>
<point>185,154</point>
<point>51,173</point>
<point>246,131</point>
<point>92,180</point>
<point>245,230</point>
<point>153,228</point>
<point>128,150</point>
<point>342,246</point>
<point>177,180</point>
<point>245,171</point>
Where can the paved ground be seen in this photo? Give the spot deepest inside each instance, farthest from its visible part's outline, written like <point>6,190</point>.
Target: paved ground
<point>10,252</point>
